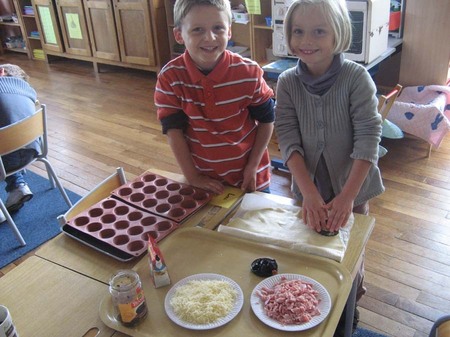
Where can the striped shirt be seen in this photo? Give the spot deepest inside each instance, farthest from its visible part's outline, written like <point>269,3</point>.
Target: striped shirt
<point>220,131</point>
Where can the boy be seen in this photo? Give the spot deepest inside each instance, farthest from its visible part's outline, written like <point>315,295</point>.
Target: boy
<point>214,105</point>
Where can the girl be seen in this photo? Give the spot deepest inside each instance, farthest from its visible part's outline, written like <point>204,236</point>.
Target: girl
<point>327,123</point>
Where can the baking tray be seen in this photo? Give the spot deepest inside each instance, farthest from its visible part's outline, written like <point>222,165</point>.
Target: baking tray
<point>162,196</point>
<point>118,229</point>
<point>191,251</point>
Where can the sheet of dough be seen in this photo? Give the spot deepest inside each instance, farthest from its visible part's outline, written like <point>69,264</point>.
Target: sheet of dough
<point>268,222</point>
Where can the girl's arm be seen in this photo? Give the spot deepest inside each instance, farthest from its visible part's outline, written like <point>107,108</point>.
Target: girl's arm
<point>263,135</point>
<point>313,212</point>
<point>182,154</point>
<point>340,208</point>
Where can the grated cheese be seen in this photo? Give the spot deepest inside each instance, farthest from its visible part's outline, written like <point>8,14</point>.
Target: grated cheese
<point>203,301</point>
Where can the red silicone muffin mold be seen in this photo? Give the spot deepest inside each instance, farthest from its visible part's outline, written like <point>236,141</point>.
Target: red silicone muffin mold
<point>162,196</point>
<point>122,226</point>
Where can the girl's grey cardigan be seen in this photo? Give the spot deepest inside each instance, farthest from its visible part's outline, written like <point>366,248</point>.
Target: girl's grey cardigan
<point>342,124</point>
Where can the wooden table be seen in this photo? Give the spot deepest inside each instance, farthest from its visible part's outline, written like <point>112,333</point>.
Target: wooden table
<point>49,300</point>
<point>84,260</point>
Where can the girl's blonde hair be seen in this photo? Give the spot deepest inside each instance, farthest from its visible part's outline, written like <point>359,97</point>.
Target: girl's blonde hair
<point>14,71</point>
<point>334,11</point>
<point>183,7</point>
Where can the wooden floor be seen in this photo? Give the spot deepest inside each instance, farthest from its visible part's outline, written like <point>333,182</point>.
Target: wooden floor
<point>98,122</point>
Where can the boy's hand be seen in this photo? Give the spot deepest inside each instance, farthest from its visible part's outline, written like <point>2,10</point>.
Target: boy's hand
<point>207,183</point>
<point>249,181</point>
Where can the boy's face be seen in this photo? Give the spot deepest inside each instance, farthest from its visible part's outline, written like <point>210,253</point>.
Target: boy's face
<point>205,32</point>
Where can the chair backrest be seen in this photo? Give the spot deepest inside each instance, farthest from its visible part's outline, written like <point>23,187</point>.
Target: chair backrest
<point>22,133</point>
<point>100,192</point>
<point>385,101</point>
<point>18,135</point>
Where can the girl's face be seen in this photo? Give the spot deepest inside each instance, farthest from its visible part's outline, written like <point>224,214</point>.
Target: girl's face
<point>312,39</point>
<point>205,32</point>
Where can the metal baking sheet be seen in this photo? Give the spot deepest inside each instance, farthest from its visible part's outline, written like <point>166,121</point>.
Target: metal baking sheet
<point>196,250</point>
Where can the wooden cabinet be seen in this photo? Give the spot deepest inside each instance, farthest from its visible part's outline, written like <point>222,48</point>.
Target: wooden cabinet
<point>426,43</point>
<point>31,31</point>
<point>121,30</point>
<point>174,47</point>
<point>261,33</point>
<point>13,36</point>
<point>127,33</point>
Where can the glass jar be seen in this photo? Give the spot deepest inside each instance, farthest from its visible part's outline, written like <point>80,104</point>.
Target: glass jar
<point>128,297</point>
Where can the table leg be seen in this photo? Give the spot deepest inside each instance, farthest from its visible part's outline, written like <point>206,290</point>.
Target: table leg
<point>350,308</point>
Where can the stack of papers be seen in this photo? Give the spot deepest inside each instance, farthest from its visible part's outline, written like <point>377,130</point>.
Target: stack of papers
<point>38,54</point>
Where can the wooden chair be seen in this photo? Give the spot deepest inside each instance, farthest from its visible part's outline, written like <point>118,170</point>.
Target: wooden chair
<point>100,192</point>
<point>384,106</point>
<point>16,136</point>
<point>385,101</point>
<point>441,328</point>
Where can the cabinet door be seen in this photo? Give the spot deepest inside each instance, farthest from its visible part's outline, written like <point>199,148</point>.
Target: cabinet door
<point>73,27</point>
<point>47,22</point>
<point>134,31</point>
<point>102,29</point>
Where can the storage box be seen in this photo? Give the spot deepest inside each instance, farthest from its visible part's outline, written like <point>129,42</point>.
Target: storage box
<point>394,20</point>
<point>241,17</point>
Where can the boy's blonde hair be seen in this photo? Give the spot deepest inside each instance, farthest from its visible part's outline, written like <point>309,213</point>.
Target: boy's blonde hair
<point>14,71</point>
<point>335,12</point>
<point>183,7</point>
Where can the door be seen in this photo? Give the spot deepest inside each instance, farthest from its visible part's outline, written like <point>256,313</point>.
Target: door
<point>73,27</point>
<point>134,29</point>
<point>102,29</point>
<point>47,22</point>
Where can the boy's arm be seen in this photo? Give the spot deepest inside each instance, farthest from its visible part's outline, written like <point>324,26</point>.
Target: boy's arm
<point>263,135</point>
<point>182,154</point>
<point>265,115</point>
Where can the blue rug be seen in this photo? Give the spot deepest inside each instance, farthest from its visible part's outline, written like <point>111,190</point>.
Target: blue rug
<point>36,220</point>
<point>361,332</point>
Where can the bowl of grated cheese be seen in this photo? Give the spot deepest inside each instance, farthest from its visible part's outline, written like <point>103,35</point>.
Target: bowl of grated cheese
<point>204,301</point>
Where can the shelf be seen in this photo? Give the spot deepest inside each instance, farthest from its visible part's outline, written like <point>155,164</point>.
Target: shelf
<point>9,24</point>
<point>262,27</point>
<point>16,50</point>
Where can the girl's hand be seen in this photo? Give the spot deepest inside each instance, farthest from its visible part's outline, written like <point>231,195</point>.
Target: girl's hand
<point>207,183</point>
<point>313,212</point>
<point>339,210</point>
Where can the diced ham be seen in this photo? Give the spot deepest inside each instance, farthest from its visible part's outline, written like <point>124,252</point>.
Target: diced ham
<point>290,302</point>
